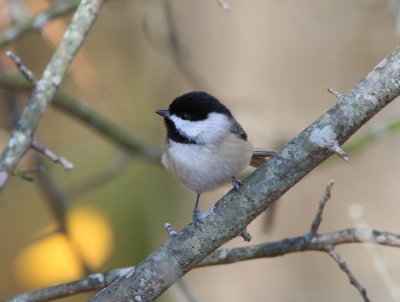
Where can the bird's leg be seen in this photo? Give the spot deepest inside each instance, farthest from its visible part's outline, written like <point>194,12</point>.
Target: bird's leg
<point>237,183</point>
<point>196,212</point>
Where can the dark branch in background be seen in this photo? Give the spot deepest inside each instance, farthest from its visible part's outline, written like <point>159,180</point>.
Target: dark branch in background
<point>45,89</point>
<point>36,22</point>
<point>57,204</point>
<point>112,169</point>
<point>179,51</point>
<point>230,215</point>
<point>87,116</point>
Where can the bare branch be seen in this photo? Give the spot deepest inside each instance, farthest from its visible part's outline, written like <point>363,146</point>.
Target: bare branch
<point>45,89</point>
<point>36,22</point>
<point>301,244</point>
<point>91,282</point>
<point>336,93</point>
<point>318,218</point>
<point>51,155</point>
<point>343,266</point>
<point>28,74</point>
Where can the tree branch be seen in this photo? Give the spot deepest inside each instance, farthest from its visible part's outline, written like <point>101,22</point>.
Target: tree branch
<point>36,22</point>
<point>91,282</point>
<point>318,218</point>
<point>231,214</point>
<point>51,155</point>
<point>343,266</point>
<point>45,89</point>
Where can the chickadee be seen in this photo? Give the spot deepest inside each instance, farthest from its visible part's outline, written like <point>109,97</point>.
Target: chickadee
<point>205,146</point>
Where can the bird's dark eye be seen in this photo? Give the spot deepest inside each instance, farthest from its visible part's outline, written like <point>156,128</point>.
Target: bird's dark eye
<point>185,116</point>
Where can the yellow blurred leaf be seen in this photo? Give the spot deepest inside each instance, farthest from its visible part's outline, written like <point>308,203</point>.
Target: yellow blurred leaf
<point>55,258</point>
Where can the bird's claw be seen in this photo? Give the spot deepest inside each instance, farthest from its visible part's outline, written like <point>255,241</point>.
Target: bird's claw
<point>196,218</point>
<point>237,184</point>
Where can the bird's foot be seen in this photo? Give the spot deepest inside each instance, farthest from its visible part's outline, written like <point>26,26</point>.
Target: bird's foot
<point>237,184</point>
<point>196,218</point>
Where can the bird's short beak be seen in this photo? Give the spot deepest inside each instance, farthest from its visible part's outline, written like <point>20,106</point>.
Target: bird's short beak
<point>163,112</point>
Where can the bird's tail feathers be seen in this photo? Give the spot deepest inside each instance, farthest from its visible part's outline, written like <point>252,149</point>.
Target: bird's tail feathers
<point>260,156</point>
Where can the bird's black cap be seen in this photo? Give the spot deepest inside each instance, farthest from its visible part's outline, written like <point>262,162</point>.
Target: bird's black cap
<point>196,106</point>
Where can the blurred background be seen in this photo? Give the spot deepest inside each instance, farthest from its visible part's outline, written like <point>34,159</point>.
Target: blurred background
<point>270,62</point>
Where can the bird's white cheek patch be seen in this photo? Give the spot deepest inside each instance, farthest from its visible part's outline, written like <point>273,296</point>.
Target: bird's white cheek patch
<point>204,131</point>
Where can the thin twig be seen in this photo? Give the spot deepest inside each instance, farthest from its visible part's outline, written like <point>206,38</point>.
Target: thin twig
<point>36,22</point>
<point>343,266</point>
<point>335,93</point>
<point>246,236</point>
<point>51,155</point>
<point>28,74</point>
<point>170,230</point>
<point>318,218</point>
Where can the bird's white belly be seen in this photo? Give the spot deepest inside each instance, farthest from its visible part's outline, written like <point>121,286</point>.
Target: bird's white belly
<point>204,168</point>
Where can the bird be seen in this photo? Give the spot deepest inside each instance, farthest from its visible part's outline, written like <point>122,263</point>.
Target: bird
<point>205,146</point>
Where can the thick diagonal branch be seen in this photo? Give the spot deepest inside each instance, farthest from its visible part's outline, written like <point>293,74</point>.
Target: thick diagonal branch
<point>230,215</point>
